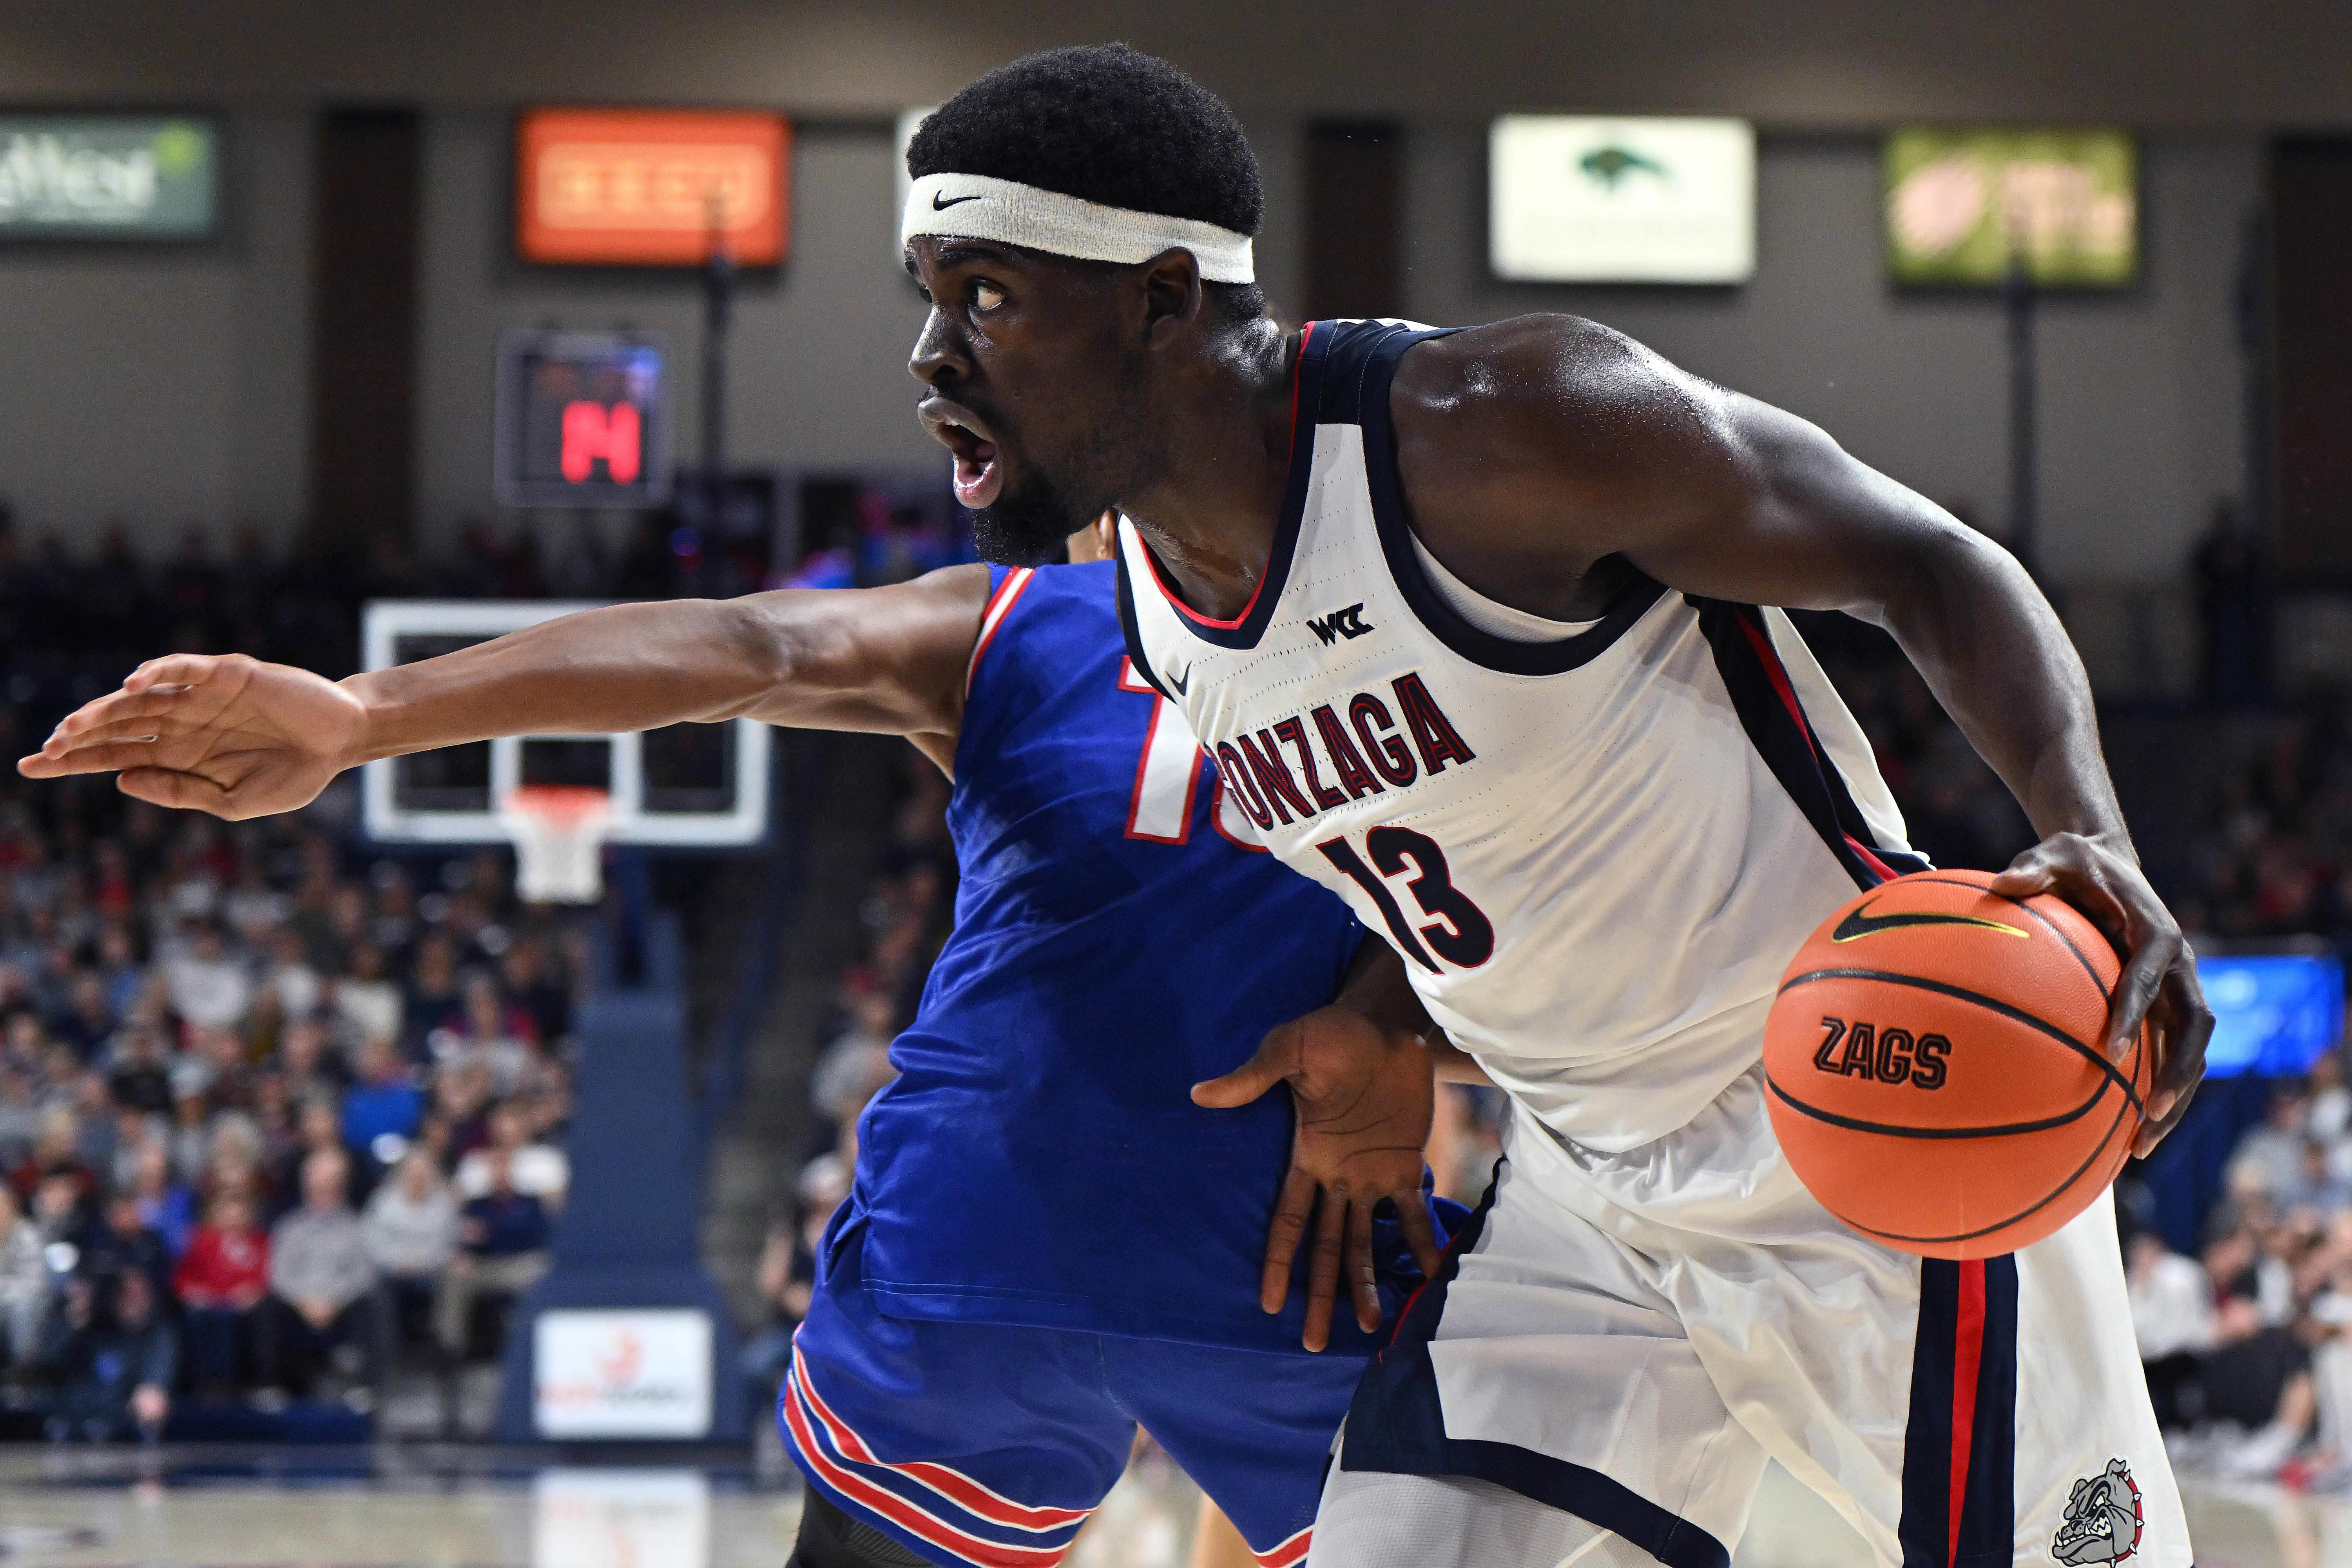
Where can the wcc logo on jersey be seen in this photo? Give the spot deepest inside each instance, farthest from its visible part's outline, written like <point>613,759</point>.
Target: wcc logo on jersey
<point>2104,1519</point>
<point>1347,622</point>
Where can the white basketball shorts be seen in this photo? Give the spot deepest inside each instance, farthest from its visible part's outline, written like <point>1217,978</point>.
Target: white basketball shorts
<point>1628,1338</point>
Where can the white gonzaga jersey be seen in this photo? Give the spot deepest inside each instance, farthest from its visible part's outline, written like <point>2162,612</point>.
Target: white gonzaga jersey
<point>1596,854</point>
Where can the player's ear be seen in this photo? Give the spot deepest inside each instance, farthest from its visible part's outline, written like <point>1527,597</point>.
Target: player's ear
<point>1173,298</point>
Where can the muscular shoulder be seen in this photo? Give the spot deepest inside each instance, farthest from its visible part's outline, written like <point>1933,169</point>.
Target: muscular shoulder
<point>1558,428</point>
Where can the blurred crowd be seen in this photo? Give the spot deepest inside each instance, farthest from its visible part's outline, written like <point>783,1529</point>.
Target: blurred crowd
<point>270,1116</point>
<point>2246,1344</point>
<point>2276,857</point>
<point>266,1116</point>
<point>903,918</point>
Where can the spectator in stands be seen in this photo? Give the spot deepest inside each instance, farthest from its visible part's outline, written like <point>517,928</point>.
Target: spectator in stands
<point>139,1079</point>
<point>322,1301</point>
<point>288,973</point>
<point>20,1117</point>
<point>318,1129</point>
<point>432,1000</point>
<point>523,970</point>
<point>502,1251</point>
<point>208,986</point>
<point>367,1001</point>
<point>488,1032</point>
<point>858,1062</point>
<point>57,1153</point>
<point>412,1234</point>
<point>2172,1319</point>
<point>540,1169</point>
<point>24,1282</point>
<point>2270,1158</point>
<point>114,1355</point>
<point>220,1282</point>
<point>119,1242</point>
<point>381,1108</point>
<point>309,1064</point>
<point>2257,1375</point>
<point>166,1205</point>
<point>90,1019</point>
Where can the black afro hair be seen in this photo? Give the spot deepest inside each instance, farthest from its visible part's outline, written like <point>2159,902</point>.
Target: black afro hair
<point>1102,122</point>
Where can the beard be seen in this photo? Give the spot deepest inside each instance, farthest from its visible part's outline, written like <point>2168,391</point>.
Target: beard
<point>1029,526</point>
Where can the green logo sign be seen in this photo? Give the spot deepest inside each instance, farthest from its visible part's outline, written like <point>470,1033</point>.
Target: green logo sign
<point>1604,166</point>
<point>113,176</point>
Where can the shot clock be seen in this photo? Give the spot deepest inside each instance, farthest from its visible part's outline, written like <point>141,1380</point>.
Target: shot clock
<point>582,420</point>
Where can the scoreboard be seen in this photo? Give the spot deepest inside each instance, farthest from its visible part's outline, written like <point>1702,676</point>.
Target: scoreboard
<point>582,421</point>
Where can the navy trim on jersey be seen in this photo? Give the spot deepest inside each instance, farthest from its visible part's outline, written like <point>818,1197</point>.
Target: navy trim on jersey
<point>1396,1425</point>
<point>1777,726</point>
<point>1960,1444</point>
<point>1370,356</point>
<point>1244,632</point>
<point>1133,633</point>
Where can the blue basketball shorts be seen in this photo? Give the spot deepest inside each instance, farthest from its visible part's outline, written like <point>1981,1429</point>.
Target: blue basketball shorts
<point>990,1444</point>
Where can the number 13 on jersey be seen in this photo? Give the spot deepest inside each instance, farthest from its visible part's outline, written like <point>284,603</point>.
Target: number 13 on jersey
<point>1461,935</point>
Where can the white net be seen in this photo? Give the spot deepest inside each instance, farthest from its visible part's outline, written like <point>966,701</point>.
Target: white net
<point>559,838</point>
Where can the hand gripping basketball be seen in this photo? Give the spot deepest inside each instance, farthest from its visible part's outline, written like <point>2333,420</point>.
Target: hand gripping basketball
<point>1937,1070</point>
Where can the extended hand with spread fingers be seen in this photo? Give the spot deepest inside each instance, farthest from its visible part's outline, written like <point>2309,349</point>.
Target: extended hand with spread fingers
<point>218,732</point>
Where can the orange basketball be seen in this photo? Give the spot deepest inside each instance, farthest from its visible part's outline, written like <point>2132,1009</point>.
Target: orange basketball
<point>1934,1067</point>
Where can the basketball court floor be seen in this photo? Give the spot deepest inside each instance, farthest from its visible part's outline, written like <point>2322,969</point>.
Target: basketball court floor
<point>432,1507</point>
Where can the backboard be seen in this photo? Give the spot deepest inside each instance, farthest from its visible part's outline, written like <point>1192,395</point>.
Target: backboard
<point>689,786</point>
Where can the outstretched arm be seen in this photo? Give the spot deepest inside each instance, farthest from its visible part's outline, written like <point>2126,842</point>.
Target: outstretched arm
<point>239,738</point>
<point>1539,452</point>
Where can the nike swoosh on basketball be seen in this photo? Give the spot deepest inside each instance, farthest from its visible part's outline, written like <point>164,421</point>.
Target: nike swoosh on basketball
<point>940,205</point>
<point>1181,685</point>
<point>1862,923</point>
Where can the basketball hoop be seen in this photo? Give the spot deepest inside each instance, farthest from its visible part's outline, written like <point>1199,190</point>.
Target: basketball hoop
<point>558,840</point>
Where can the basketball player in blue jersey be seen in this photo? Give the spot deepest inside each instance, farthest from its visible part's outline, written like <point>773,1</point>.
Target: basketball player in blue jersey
<point>1047,1241</point>
<point>1485,631</point>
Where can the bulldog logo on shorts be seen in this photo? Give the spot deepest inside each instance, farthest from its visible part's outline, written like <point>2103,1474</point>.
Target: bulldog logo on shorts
<point>2102,1519</point>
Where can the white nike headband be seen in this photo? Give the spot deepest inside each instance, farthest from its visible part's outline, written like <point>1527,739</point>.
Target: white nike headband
<point>973,207</point>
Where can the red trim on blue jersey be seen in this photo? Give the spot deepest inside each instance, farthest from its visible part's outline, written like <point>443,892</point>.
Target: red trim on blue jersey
<point>908,1515</point>
<point>974,1497</point>
<point>1160,708</point>
<point>1289,1553</point>
<point>992,616</point>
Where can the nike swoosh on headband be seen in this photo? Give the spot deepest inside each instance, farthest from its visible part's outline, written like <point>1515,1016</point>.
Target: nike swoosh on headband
<point>941,201</point>
<point>1861,923</point>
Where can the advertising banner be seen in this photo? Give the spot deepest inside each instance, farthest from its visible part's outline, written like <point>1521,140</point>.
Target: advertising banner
<point>108,177</point>
<point>644,187</point>
<point>622,1373</point>
<point>1576,199</point>
<point>1961,205</point>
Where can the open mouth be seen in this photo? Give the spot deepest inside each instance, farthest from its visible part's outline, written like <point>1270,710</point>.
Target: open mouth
<point>977,478</point>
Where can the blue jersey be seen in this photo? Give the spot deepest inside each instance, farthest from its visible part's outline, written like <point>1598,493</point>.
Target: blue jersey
<point>1039,1160</point>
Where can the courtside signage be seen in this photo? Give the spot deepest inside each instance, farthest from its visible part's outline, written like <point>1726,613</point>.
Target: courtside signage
<point>1577,198</point>
<point>645,187</point>
<point>1962,204</point>
<point>622,1373</point>
<point>108,177</point>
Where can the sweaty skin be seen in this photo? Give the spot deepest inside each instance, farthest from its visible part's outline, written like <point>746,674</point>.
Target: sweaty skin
<point>1545,458</point>
<point>239,738</point>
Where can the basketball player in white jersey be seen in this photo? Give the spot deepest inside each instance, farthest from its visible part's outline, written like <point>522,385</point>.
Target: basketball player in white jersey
<point>1471,623</point>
